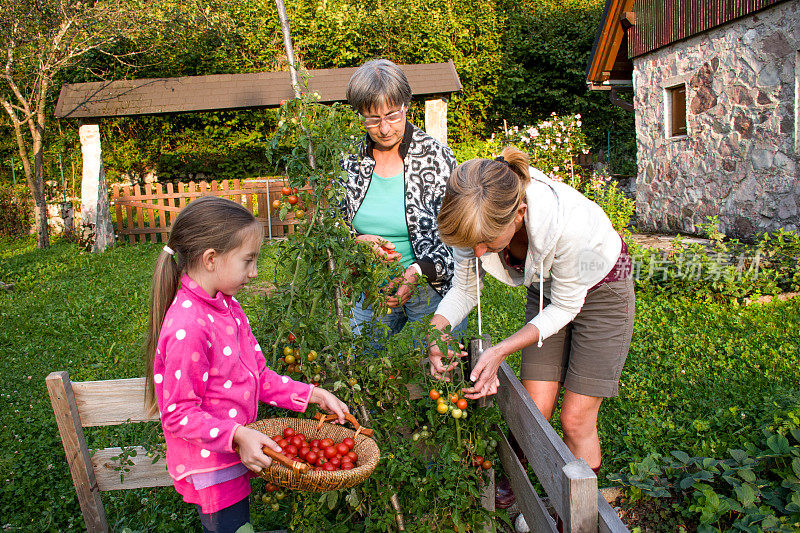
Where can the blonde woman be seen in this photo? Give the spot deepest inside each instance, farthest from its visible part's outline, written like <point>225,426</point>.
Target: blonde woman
<point>526,229</point>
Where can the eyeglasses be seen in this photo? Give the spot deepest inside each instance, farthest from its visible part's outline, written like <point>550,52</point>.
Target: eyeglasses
<point>392,118</point>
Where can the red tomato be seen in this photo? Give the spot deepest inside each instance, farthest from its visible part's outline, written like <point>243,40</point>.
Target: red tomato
<point>312,457</point>
<point>276,438</point>
<point>283,443</point>
<point>290,450</point>
<point>288,433</point>
<point>335,461</point>
<point>269,487</point>
<point>317,468</point>
<point>292,338</point>
<point>302,437</point>
<point>434,394</point>
<point>276,204</point>
<point>477,460</point>
<point>342,448</point>
<point>286,191</point>
<point>295,190</point>
<point>292,199</point>
<point>486,465</point>
<point>328,467</point>
<point>329,452</point>
<point>347,465</point>
<point>297,441</point>
<point>352,457</point>
<point>314,443</point>
<point>303,452</point>
<point>324,443</point>
<point>453,398</point>
<point>350,443</point>
<point>461,404</point>
<point>321,460</point>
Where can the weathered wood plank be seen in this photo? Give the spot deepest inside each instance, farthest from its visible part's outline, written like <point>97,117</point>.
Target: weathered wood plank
<point>580,497</point>
<point>532,507</point>
<point>544,449</point>
<point>65,410</point>
<point>608,519</point>
<point>142,473</point>
<point>111,402</point>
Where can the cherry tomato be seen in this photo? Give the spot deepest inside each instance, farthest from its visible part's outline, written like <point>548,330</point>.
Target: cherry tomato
<point>350,443</point>
<point>296,441</point>
<point>276,204</point>
<point>291,337</point>
<point>283,443</point>
<point>477,460</point>
<point>295,190</point>
<point>347,465</point>
<point>275,506</point>
<point>301,436</point>
<point>456,413</point>
<point>453,398</point>
<point>269,487</point>
<point>292,199</point>
<point>324,443</point>
<point>312,356</point>
<point>286,191</point>
<point>321,460</point>
<point>299,213</point>
<point>289,359</point>
<point>290,450</point>
<point>288,432</point>
<point>276,438</point>
<point>287,350</point>
<point>461,404</point>
<point>303,452</point>
<point>328,467</point>
<point>335,461</point>
<point>329,452</point>
<point>434,394</point>
<point>487,464</point>
<point>352,457</point>
<point>312,457</point>
<point>314,443</point>
<point>441,408</point>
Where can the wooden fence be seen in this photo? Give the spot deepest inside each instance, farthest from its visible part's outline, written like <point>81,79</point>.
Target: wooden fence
<point>145,213</point>
<point>570,484</point>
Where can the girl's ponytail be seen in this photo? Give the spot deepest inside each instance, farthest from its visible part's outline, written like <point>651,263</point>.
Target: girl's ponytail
<point>162,291</point>
<point>519,162</point>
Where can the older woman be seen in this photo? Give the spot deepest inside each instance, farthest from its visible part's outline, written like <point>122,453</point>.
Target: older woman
<point>529,230</point>
<point>394,190</point>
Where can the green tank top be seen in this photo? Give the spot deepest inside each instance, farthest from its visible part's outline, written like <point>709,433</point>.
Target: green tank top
<point>383,213</point>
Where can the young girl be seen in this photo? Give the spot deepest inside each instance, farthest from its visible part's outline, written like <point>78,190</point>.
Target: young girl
<point>207,372</point>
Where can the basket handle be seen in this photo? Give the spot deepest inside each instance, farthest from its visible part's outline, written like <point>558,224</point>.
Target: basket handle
<point>297,466</point>
<point>350,418</point>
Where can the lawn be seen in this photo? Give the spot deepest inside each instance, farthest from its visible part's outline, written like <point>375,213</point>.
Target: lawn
<point>701,377</point>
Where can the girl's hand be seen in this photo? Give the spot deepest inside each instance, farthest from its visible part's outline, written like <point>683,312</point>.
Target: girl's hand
<point>329,402</point>
<point>248,443</point>
<point>405,287</point>
<point>383,249</point>
<point>484,375</point>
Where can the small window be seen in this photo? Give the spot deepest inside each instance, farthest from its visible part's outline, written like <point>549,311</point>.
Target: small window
<point>676,107</point>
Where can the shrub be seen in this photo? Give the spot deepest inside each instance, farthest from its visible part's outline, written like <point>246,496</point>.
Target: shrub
<point>16,215</point>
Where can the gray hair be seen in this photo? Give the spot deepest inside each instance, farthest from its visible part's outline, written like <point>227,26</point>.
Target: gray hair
<point>376,82</point>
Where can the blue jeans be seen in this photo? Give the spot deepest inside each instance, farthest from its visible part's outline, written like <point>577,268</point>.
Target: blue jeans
<point>418,307</point>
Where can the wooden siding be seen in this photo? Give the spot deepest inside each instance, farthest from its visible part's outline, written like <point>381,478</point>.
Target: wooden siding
<point>663,22</point>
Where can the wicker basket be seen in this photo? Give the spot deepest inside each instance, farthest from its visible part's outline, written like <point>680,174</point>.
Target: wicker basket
<point>291,474</point>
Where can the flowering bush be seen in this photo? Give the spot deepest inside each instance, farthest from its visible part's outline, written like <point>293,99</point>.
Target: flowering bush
<point>554,145</point>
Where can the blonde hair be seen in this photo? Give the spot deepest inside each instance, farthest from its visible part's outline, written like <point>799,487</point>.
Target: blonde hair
<point>208,222</point>
<point>482,197</point>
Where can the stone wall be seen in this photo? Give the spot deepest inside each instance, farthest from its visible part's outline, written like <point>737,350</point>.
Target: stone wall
<point>740,159</point>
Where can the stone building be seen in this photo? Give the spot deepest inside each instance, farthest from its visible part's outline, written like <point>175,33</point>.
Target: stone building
<point>717,101</point>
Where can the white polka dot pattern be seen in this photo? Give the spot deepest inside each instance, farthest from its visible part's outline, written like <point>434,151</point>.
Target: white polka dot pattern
<point>227,384</point>
<point>205,377</point>
<point>172,407</point>
<point>186,304</point>
<point>227,351</point>
<point>257,347</point>
<point>214,432</point>
<point>232,413</point>
<point>211,318</point>
<point>180,334</point>
<point>158,378</point>
<point>178,374</point>
<point>204,453</point>
<point>184,420</point>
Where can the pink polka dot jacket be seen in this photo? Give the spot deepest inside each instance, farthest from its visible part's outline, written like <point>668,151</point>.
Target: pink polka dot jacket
<point>210,375</point>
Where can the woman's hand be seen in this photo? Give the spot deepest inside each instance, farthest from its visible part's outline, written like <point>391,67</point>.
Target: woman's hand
<point>484,375</point>
<point>383,249</point>
<point>330,403</point>
<point>405,287</point>
<point>249,443</point>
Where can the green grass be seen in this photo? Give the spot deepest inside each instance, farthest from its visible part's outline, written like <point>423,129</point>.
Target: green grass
<point>700,377</point>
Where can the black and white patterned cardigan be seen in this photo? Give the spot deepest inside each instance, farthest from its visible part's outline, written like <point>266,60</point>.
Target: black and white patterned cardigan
<point>428,164</point>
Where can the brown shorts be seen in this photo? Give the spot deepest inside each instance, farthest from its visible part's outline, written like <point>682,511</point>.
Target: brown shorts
<point>587,354</point>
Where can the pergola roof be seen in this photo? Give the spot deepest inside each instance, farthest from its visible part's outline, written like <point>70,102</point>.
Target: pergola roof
<point>229,91</point>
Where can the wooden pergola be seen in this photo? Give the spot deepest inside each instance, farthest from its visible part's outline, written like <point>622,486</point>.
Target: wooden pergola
<point>90,102</point>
